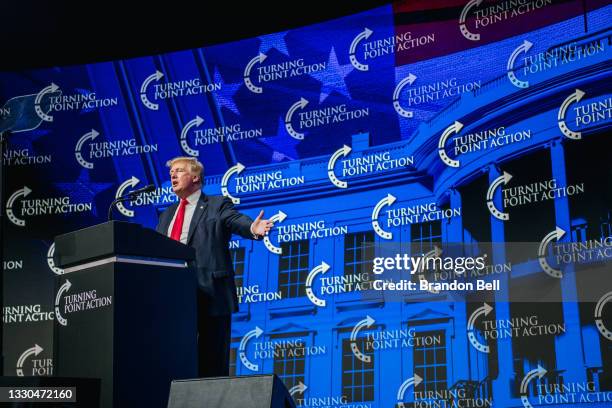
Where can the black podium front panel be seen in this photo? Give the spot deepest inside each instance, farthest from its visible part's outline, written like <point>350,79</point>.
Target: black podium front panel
<point>131,325</point>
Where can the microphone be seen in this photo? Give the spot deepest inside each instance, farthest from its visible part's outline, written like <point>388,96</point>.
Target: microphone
<point>145,189</point>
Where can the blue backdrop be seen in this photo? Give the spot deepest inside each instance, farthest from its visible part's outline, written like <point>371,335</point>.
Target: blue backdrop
<point>415,124</point>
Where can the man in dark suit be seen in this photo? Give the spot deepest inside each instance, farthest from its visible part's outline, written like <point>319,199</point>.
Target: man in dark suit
<point>207,223</point>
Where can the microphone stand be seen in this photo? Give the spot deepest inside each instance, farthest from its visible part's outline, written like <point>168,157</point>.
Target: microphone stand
<point>117,201</point>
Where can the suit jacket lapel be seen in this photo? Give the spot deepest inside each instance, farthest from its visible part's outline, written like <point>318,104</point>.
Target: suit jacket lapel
<point>197,214</point>
<point>165,221</point>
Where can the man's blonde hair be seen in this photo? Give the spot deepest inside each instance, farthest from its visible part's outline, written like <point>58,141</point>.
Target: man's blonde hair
<point>195,167</point>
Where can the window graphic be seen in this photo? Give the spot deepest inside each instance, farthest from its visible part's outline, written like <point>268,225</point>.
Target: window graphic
<point>293,269</point>
<point>357,375</point>
<point>430,361</point>
<point>358,252</point>
<point>289,363</point>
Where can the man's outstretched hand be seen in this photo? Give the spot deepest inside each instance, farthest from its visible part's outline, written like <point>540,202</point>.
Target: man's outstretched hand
<point>261,227</point>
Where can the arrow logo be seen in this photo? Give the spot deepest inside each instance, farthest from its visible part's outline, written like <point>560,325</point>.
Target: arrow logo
<point>598,318</point>
<point>278,217</point>
<point>128,183</point>
<point>247,73</point>
<point>256,332</point>
<point>143,90</point>
<point>388,200</point>
<point>22,192</point>
<point>311,275</point>
<point>364,35</point>
<point>292,132</point>
<point>48,89</point>
<point>300,387</point>
<point>434,253</point>
<point>343,151</point>
<point>462,27</point>
<point>575,97</point>
<point>31,351</point>
<point>412,381</point>
<point>396,93</point>
<point>484,309</point>
<point>77,150</point>
<point>524,47</point>
<point>193,122</point>
<point>51,262</point>
<point>538,372</point>
<point>454,128</point>
<point>367,322</point>
<point>555,235</point>
<point>503,179</point>
<point>64,288</point>
<point>238,168</point>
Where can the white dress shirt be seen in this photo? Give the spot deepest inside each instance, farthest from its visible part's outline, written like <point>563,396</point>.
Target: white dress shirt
<point>192,202</point>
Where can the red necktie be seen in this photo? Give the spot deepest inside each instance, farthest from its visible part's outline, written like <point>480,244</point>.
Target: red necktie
<point>177,228</point>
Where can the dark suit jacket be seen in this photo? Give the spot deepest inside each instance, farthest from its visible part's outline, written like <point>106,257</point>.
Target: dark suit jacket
<point>214,220</point>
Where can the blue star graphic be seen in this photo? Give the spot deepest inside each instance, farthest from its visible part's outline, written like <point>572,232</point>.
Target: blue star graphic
<point>283,145</point>
<point>82,190</point>
<point>276,40</point>
<point>332,77</point>
<point>25,140</point>
<point>225,96</point>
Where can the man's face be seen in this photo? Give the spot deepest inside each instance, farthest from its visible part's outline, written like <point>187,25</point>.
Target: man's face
<point>183,182</point>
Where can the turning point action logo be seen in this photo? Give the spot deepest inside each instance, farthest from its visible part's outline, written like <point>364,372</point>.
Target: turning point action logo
<point>40,367</point>
<point>538,372</point>
<point>131,183</point>
<point>99,150</point>
<point>343,151</point>
<point>401,392</point>
<point>485,309</point>
<point>196,122</point>
<point>555,235</point>
<point>409,80</point>
<point>563,392</point>
<point>454,128</point>
<point>301,104</point>
<point>278,217</point>
<point>322,268</point>
<point>22,192</point>
<point>576,96</point>
<point>236,169</point>
<point>494,13</point>
<point>503,179</point>
<point>82,301</point>
<point>598,316</point>
<point>256,332</point>
<point>41,206</point>
<point>524,47</point>
<point>364,35</point>
<point>316,118</point>
<point>64,288</point>
<point>38,100</point>
<point>247,73</point>
<point>388,200</point>
<point>51,261</point>
<point>277,71</point>
<point>374,161</point>
<point>143,90</point>
<point>367,322</point>
<point>169,90</point>
<point>300,387</point>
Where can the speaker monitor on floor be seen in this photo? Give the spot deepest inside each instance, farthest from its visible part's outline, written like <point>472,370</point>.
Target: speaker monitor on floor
<point>257,391</point>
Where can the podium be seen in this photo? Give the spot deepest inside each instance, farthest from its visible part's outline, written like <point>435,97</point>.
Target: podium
<point>125,312</point>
